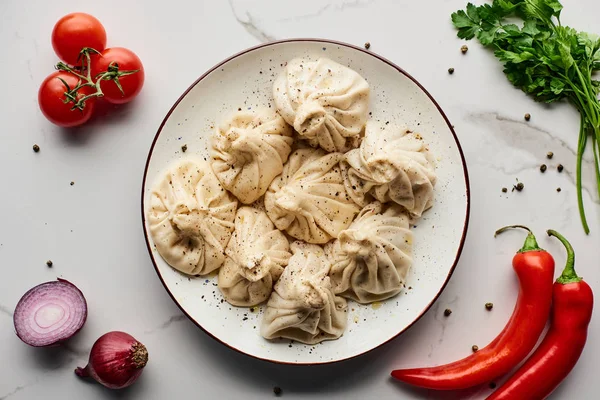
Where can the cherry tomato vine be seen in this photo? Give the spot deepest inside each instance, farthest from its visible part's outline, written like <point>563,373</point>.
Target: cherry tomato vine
<point>111,74</point>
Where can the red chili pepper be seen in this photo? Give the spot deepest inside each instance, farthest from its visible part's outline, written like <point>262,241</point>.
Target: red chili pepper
<point>558,353</point>
<point>535,270</point>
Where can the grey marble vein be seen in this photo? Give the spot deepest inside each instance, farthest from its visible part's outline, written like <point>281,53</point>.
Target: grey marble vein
<point>173,319</point>
<point>525,136</point>
<point>341,7</point>
<point>6,310</point>
<point>14,391</point>
<point>354,4</point>
<point>250,25</point>
<point>439,316</point>
<point>29,69</point>
<point>313,14</point>
<point>17,389</point>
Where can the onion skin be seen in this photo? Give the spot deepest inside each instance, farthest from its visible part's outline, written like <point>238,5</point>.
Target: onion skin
<point>116,360</point>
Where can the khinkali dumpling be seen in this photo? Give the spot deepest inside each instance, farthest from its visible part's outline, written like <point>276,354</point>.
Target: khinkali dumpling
<point>248,150</point>
<point>191,218</point>
<point>392,164</point>
<point>371,258</point>
<point>256,256</point>
<point>303,306</point>
<point>326,103</point>
<point>308,200</point>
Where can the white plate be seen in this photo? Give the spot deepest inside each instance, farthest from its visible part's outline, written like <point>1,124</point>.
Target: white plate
<point>245,81</point>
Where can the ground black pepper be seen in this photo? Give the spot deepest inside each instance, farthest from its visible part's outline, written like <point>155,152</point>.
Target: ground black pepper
<point>184,148</point>
<point>464,48</point>
<point>277,390</point>
<point>489,306</point>
<point>49,263</point>
<point>550,155</point>
<point>475,348</point>
<point>558,189</point>
<point>36,148</point>
<point>367,45</point>
<point>492,385</point>
<point>527,117</point>
<point>504,190</point>
<point>519,186</point>
<point>447,312</point>
<point>560,168</point>
<point>72,183</point>
<point>543,168</point>
<point>450,70</point>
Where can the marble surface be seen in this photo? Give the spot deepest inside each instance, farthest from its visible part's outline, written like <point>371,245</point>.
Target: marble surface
<point>93,233</point>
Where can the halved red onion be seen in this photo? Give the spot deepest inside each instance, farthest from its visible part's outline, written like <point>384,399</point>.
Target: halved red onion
<point>50,313</point>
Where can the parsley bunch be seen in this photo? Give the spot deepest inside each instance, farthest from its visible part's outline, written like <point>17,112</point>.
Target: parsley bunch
<point>545,59</point>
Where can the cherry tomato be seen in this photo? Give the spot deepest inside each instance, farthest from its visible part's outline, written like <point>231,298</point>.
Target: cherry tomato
<point>51,98</point>
<point>75,31</point>
<point>122,61</point>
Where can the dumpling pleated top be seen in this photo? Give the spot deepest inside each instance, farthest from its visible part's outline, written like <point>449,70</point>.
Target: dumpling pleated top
<point>248,150</point>
<point>191,217</point>
<point>303,306</point>
<point>308,200</point>
<point>256,256</point>
<point>326,102</point>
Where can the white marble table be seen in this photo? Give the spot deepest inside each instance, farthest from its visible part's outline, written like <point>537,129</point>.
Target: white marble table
<point>93,234</point>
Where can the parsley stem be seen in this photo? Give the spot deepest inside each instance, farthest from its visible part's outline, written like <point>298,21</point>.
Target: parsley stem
<point>580,149</point>
<point>596,148</point>
<point>546,60</point>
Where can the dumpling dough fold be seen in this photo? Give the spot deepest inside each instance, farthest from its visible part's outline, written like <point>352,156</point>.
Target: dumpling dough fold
<point>391,164</point>
<point>370,259</point>
<point>248,150</point>
<point>256,256</point>
<point>308,200</point>
<point>303,306</point>
<point>191,218</point>
<point>326,102</point>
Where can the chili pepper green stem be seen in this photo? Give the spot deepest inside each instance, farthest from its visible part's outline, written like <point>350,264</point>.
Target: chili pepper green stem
<point>568,275</point>
<point>530,241</point>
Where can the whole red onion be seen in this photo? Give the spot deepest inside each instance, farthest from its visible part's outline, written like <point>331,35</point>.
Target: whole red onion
<point>116,360</point>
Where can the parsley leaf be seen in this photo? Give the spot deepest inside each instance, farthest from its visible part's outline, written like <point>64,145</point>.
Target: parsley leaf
<point>543,58</point>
